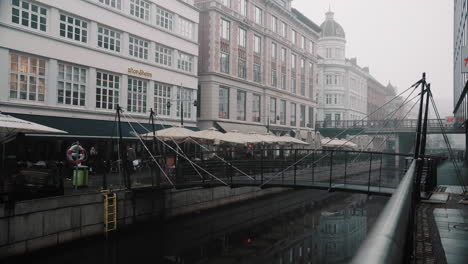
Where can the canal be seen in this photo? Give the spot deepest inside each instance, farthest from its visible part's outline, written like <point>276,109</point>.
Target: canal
<point>301,226</point>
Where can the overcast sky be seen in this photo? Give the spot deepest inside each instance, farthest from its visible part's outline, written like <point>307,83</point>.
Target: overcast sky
<point>397,39</point>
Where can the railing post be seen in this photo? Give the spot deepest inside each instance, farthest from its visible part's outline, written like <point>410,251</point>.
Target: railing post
<point>370,169</point>
<point>261,164</point>
<point>345,166</point>
<point>380,172</point>
<point>313,166</point>
<point>295,165</point>
<point>331,168</point>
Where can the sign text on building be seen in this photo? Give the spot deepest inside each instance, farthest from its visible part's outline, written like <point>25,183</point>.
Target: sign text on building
<point>140,72</point>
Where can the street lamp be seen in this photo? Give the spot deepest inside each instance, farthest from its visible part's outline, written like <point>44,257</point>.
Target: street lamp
<point>195,103</point>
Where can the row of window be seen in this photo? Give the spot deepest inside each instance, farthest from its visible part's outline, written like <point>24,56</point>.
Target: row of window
<point>107,38</point>
<point>163,18</point>
<point>277,26</point>
<point>28,80</point>
<point>277,113</point>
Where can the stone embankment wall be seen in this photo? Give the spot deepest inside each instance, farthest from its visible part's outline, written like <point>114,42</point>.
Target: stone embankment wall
<point>35,224</point>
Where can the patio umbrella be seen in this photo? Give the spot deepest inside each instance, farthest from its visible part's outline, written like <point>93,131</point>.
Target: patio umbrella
<point>10,126</point>
<point>291,140</point>
<point>210,135</point>
<point>178,134</point>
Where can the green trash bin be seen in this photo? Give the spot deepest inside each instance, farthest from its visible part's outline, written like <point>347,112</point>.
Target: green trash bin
<point>80,176</point>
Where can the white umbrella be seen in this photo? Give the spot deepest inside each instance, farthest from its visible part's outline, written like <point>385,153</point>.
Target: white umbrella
<point>289,139</point>
<point>210,135</point>
<point>235,137</point>
<point>178,134</point>
<point>11,126</point>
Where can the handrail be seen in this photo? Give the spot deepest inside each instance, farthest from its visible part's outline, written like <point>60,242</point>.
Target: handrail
<point>387,241</point>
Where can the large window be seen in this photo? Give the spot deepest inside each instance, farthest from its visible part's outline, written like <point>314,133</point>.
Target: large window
<point>162,96</point>
<point>138,47</point>
<point>293,84</point>
<point>185,28</point>
<point>284,30</point>
<point>257,73</point>
<point>242,41</point>
<point>274,51</point>
<point>258,15</point>
<point>241,105</point>
<point>242,68</point>
<point>164,18</point>
<point>272,110</point>
<point>283,81</point>
<point>27,78</point>
<point>225,29</point>
<point>282,112</point>
<point>243,7</point>
<point>293,62</point>
<point>224,62</point>
<point>73,28</point>
<point>185,62</point>
<point>223,103</point>
<point>184,98</point>
<point>71,85</point>
<point>303,42</point>
<point>283,56</point>
<point>274,78</point>
<point>311,47</point>
<point>256,117</point>
<point>302,66</point>
<point>108,39</point>
<point>303,86</point>
<point>274,24</point>
<point>257,44</point>
<point>107,90</point>
<point>311,117</point>
<point>303,113</point>
<point>136,96</point>
<point>140,9</point>
<point>112,3</point>
<point>293,36</point>
<point>29,15</point>
<point>293,114</point>
<point>163,55</point>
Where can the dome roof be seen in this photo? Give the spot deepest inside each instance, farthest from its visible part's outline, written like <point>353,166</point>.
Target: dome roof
<point>330,28</point>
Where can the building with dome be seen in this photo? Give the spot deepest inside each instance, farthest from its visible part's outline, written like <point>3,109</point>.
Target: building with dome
<point>345,91</point>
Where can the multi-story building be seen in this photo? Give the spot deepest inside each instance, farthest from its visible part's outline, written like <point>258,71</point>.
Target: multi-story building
<point>460,39</point>
<point>376,98</point>
<point>341,83</point>
<point>257,67</point>
<point>68,64</point>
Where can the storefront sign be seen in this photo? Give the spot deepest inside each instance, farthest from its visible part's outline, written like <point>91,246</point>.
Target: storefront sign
<point>139,72</point>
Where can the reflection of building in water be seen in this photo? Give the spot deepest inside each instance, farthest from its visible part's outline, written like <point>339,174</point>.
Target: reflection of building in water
<point>335,239</point>
<point>340,234</point>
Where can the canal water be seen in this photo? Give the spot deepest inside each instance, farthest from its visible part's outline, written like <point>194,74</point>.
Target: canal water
<point>446,174</point>
<point>302,226</point>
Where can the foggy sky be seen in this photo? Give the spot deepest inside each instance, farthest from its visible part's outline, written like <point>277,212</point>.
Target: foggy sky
<point>397,39</point>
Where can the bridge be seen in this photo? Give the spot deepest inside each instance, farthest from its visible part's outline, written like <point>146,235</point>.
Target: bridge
<point>384,127</point>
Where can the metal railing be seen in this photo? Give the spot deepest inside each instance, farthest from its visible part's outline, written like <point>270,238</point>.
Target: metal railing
<point>360,124</point>
<point>392,238</point>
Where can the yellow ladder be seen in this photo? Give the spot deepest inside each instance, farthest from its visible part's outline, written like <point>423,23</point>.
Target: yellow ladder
<point>110,211</point>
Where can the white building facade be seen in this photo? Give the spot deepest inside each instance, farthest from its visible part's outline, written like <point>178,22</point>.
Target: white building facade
<point>257,67</point>
<point>82,58</point>
<point>341,83</point>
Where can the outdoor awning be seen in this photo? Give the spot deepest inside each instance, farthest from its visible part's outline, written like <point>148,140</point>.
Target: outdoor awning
<point>88,128</point>
<point>10,126</point>
<point>229,127</point>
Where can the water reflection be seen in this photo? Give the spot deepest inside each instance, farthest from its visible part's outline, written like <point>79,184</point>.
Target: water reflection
<point>290,228</point>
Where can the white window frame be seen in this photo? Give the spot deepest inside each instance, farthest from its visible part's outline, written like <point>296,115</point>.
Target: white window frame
<point>185,28</point>
<point>258,15</point>
<point>140,9</point>
<point>73,79</point>
<point>242,38</point>
<point>117,4</point>
<point>257,44</point>
<point>162,96</point>
<point>185,62</point>
<point>138,47</point>
<point>164,18</point>
<point>225,29</point>
<point>137,92</point>
<point>107,90</point>
<point>24,79</point>
<point>29,14</point>
<point>163,55</point>
<point>72,27</point>
<point>109,37</point>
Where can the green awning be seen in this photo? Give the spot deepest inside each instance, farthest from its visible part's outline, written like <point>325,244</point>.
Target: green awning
<point>90,128</point>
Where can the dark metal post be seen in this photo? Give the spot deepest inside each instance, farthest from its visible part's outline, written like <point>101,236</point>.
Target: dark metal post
<point>152,113</point>
<point>418,131</point>
<point>123,152</point>
<point>370,170</point>
<point>424,131</point>
<point>380,172</point>
<point>345,166</point>
<point>331,168</point>
<point>261,163</point>
<point>295,165</point>
<point>313,166</point>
